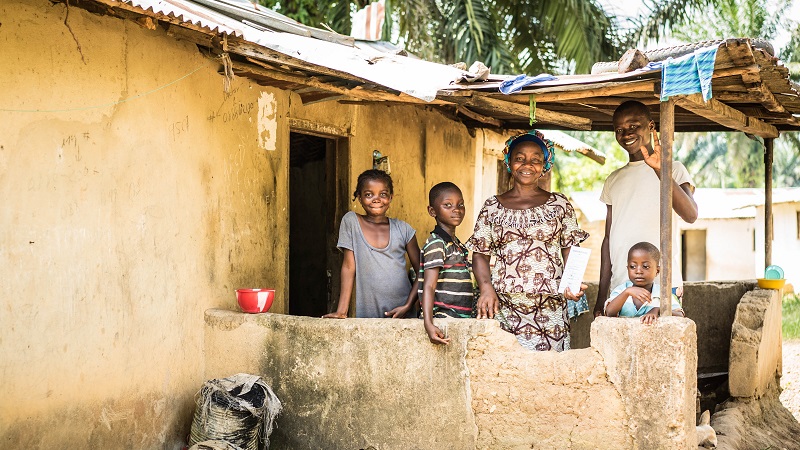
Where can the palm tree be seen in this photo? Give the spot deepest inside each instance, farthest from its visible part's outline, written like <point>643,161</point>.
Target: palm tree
<point>724,159</point>
<point>507,35</point>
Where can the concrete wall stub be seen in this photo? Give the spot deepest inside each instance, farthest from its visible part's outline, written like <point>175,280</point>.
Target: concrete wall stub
<point>357,383</point>
<point>756,344</point>
<point>543,400</point>
<point>655,369</point>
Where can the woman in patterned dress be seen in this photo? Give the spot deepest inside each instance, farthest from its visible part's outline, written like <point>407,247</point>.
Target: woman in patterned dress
<point>529,232</point>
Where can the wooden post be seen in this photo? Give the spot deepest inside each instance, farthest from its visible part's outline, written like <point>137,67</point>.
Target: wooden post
<point>768,146</point>
<point>667,121</point>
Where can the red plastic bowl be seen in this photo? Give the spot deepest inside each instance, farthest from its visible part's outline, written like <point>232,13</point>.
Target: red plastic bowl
<point>255,300</point>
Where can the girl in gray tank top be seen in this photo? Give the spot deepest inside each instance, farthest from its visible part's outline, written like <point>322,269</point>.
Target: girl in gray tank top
<point>375,248</point>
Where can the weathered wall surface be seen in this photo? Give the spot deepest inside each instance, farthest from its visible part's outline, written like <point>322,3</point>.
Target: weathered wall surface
<point>657,366</point>
<point>712,306</point>
<point>545,400</point>
<point>122,223</point>
<point>373,382</point>
<point>755,361</point>
<point>754,418</point>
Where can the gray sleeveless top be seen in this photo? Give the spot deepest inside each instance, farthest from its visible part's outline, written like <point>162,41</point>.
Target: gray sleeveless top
<point>381,279</point>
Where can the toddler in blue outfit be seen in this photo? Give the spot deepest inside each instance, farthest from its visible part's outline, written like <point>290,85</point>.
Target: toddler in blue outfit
<point>640,296</point>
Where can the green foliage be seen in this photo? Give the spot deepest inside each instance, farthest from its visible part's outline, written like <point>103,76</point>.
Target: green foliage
<point>507,35</point>
<point>791,316</point>
<point>791,54</point>
<point>730,160</point>
<point>722,160</point>
<point>574,172</point>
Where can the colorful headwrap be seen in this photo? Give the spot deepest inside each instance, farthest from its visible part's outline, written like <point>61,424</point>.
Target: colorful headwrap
<point>537,137</point>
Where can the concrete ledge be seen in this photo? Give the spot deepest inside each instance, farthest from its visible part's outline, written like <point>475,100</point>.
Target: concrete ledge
<point>361,383</point>
<point>756,344</point>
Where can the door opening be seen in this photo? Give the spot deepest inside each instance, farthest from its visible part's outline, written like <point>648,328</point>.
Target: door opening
<point>314,212</point>
<point>693,252</point>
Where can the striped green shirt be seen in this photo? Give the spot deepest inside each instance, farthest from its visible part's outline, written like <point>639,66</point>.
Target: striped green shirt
<point>454,295</point>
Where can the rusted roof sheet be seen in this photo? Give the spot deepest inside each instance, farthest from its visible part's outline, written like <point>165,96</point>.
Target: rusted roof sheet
<point>259,34</point>
<point>751,88</point>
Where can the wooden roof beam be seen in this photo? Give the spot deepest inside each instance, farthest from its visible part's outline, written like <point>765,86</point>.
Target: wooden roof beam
<point>544,115</point>
<point>463,110</point>
<point>754,85</point>
<point>364,94</point>
<point>723,114</point>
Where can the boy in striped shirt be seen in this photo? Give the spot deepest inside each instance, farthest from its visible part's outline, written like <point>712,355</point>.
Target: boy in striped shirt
<point>445,287</point>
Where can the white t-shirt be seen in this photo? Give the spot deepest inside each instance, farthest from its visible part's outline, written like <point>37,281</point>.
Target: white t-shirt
<point>633,193</point>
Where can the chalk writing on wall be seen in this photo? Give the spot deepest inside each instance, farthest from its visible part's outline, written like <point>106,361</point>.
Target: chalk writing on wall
<point>236,110</point>
<point>179,127</point>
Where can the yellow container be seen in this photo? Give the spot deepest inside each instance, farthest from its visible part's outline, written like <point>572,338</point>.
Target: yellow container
<point>764,283</point>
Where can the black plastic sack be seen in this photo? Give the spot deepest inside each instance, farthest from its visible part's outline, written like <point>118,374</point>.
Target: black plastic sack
<point>239,409</point>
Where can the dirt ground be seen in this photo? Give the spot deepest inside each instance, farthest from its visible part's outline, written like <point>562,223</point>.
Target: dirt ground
<point>790,381</point>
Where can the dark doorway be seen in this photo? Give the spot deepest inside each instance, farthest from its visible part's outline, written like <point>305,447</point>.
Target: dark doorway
<point>314,212</point>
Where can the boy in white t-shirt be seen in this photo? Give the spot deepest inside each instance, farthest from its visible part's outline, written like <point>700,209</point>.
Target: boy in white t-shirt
<point>631,194</point>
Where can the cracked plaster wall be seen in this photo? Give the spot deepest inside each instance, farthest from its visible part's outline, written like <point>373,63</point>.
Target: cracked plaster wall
<point>357,383</point>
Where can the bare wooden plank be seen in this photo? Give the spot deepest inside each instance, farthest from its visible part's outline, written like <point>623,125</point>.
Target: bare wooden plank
<point>311,81</point>
<point>257,52</point>
<point>768,231</point>
<point>543,115</point>
<point>561,93</point>
<point>463,110</point>
<point>605,101</point>
<point>723,114</point>
<point>667,125</point>
<point>317,128</point>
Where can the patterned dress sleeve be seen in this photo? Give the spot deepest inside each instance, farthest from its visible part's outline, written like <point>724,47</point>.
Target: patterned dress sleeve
<point>571,234</point>
<point>347,232</point>
<point>482,239</point>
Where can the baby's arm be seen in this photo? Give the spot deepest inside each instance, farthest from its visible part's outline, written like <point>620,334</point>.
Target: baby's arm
<point>346,290</point>
<point>615,305</point>
<point>431,278</point>
<point>412,248</point>
<point>612,308</point>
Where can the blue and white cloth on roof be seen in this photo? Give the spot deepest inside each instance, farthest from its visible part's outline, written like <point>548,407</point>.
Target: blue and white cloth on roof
<point>516,84</point>
<point>688,74</point>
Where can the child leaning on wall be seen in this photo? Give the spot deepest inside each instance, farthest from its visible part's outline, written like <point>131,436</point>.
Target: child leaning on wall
<point>375,249</point>
<point>445,286</point>
<point>640,295</point>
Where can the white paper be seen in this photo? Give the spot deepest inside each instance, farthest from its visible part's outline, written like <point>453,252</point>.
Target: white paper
<point>575,269</point>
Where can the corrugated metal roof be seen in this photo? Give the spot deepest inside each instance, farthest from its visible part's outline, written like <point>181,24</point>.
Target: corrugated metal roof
<point>415,77</point>
<point>751,88</point>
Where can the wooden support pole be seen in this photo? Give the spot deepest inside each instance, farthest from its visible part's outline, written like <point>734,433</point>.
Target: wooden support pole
<point>768,146</point>
<point>667,120</point>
